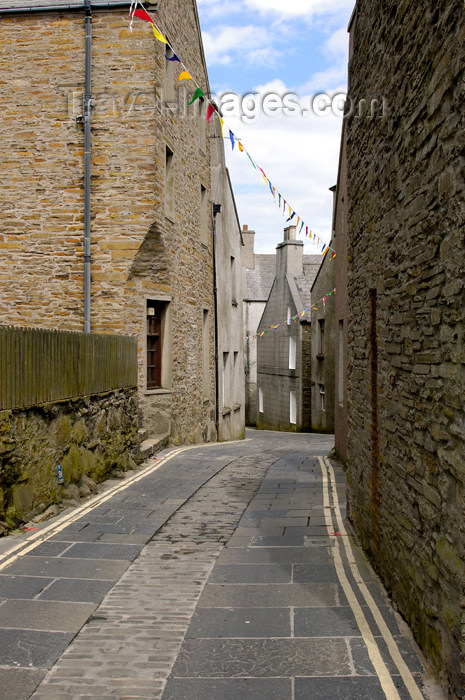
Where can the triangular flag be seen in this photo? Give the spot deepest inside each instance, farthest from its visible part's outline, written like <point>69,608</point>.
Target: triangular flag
<point>333,255</point>
<point>184,76</point>
<point>222,125</point>
<point>251,161</point>
<point>271,187</point>
<point>279,200</point>
<point>301,227</point>
<point>291,216</point>
<point>142,14</point>
<point>325,247</point>
<point>231,136</point>
<point>159,36</point>
<point>172,58</point>
<point>210,111</point>
<point>197,94</point>
<point>241,147</point>
<point>298,219</point>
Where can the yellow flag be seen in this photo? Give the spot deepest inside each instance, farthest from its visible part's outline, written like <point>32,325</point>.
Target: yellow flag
<point>159,36</point>
<point>241,148</point>
<point>184,76</point>
<point>222,125</point>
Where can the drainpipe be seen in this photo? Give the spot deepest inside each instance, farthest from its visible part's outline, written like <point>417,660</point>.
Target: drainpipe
<point>87,147</point>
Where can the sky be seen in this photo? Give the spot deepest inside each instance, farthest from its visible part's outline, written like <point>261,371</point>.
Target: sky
<point>271,49</point>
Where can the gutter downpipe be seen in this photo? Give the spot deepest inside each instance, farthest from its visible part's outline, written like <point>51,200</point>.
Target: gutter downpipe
<point>87,154</point>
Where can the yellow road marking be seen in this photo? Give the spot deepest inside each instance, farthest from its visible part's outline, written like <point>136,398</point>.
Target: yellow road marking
<point>396,656</point>
<point>57,526</point>
<point>373,650</point>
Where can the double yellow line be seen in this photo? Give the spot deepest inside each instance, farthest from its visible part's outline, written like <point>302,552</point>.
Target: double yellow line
<point>329,488</point>
<point>59,524</point>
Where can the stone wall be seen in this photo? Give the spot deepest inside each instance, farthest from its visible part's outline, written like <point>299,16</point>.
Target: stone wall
<point>406,372</point>
<point>142,245</point>
<point>89,437</point>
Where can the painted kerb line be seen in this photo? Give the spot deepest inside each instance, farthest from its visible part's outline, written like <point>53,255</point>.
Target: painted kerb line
<point>396,656</point>
<point>56,527</point>
<point>374,653</point>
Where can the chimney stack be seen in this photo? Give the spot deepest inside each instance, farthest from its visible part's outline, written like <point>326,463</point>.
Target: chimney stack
<point>289,254</point>
<point>247,250</point>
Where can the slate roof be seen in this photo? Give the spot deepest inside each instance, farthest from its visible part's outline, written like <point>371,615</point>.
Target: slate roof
<point>260,280</point>
<point>304,284</point>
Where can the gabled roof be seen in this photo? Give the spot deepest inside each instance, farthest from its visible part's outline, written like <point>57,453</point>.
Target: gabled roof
<point>304,284</point>
<point>260,280</point>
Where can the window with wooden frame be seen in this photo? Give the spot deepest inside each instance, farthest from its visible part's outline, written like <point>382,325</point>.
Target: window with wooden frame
<point>155,318</point>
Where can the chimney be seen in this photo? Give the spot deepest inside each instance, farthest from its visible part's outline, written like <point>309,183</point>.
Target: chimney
<point>289,254</point>
<point>247,250</point>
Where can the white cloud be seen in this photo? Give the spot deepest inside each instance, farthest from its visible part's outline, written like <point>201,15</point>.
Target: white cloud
<point>334,78</point>
<point>227,43</point>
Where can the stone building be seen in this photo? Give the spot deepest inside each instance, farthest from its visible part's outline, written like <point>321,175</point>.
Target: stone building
<point>148,259</point>
<point>406,326</point>
<point>283,353</point>
<point>258,270</point>
<point>229,293</point>
<point>323,347</point>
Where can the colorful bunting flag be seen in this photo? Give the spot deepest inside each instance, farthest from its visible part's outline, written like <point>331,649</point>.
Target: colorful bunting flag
<point>210,111</point>
<point>197,95</point>
<point>142,14</point>
<point>241,147</point>
<point>159,36</point>
<point>172,58</point>
<point>231,136</point>
<point>184,76</point>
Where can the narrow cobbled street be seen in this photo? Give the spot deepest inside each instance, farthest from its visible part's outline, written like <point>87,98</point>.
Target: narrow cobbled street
<point>216,572</point>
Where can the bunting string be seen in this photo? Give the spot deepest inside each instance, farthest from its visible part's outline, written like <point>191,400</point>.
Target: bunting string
<point>137,10</point>
<point>295,318</point>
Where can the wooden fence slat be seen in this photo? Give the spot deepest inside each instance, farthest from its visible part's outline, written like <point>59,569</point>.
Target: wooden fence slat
<point>40,366</point>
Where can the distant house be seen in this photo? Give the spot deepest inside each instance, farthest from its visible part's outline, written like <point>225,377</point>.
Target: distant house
<point>258,271</point>
<point>283,355</point>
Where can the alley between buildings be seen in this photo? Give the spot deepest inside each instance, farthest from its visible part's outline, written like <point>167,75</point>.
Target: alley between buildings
<point>216,571</point>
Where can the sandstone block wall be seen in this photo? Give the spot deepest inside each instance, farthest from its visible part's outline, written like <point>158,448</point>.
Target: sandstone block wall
<point>88,437</point>
<point>142,246</point>
<point>406,294</point>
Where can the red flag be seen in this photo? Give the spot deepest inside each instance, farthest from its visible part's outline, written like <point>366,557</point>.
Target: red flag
<point>142,14</point>
<point>210,111</point>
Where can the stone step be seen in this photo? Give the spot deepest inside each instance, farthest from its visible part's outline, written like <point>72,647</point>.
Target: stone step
<point>143,434</point>
<point>150,446</point>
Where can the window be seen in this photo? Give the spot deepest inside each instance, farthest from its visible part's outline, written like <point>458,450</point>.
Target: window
<point>169,184</point>
<point>206,353</point>
<point>292,352</point>
<point>235,379</point>
<point>202,117</point>
<point>292,407</point>
<point>321,388</point>
<point>156,311</point>
<point>260,400</point>
<point>321,336</point>
<point>203,215</point>
<point>289,315</point>
<point>340,367</point>
<point>233,281</point>
<point>170,96</point>
<point>226,380</point>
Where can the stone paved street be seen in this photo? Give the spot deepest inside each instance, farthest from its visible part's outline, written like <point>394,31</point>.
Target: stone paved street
<point>216,572</point>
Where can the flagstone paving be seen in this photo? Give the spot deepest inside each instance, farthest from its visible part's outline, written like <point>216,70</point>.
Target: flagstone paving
<point>222,573</point>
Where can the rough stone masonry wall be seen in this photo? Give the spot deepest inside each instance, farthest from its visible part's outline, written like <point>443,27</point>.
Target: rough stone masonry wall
<point>406,373</point>
<point>89,437</point>
<point>137,250</point>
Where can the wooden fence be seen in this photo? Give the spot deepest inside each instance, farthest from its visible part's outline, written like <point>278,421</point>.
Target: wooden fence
<point>39,366</point>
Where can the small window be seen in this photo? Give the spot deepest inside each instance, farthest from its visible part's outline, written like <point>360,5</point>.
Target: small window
<point>340,367</point>
<point>169,184</point>
<point>292,408</point>
<point>292,352</point>
<point>235,378</point>
<point>206,353</point>
<point>226,380</point>
<point>321,336</point>
<point>233,281</point>
<point>289,315</point>
<point>203,215</point>
<point>260,400</point>
<point>155,318</point>
<point>321,388</point>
